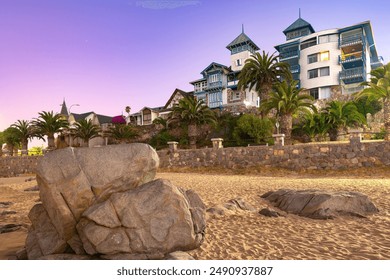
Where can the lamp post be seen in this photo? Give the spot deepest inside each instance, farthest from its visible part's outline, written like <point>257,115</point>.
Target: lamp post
<point>72,106</point>
<point>277,127</point>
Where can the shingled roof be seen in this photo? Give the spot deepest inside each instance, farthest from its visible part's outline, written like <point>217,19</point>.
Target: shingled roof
<point>299,24</point>
<point>242,39</point>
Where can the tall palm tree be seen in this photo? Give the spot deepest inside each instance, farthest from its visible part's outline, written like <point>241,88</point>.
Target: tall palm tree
<point>25,132</point>
<point>193,113</point>
<point>341,115</point>
<point>261,71</point>
<point>86,130</point>
<point>379,89</point>
<point>48,124</point>
<point>287,100</point>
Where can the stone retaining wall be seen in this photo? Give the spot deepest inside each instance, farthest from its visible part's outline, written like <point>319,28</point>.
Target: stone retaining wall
<point>297,157</point>
<point>13,166</point>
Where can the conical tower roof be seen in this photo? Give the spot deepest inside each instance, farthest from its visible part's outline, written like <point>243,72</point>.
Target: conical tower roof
<point>242,39</point>
<point>299,24</point>
<point>64,109</point>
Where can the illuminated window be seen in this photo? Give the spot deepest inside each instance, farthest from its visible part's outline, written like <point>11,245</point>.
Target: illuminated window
<point>324,56</point>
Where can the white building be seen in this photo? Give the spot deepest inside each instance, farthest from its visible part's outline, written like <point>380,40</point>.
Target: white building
<point>333,61</point>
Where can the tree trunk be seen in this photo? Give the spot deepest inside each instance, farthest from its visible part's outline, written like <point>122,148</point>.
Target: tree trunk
<point>386,117</point>
<point>192,134</point>
<point>25,147</point>
<point>286,128</point>
<point>50,142</point>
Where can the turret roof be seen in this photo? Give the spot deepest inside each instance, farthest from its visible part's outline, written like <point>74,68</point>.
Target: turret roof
<point>299,24</point>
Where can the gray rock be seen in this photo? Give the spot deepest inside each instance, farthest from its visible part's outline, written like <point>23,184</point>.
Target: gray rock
<point>155,218</point>
<point>269,213</point>
<point>63,257</point>
<point>71,180</point>
<point>321,204</point>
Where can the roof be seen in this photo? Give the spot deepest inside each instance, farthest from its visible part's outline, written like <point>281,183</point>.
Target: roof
<point>242,39</point>
<point>176,91</point>
<point>298,24</point>
<point>101,118</point>
<point>64,109</point>
<point>199,80</point>
<point>215,66</point>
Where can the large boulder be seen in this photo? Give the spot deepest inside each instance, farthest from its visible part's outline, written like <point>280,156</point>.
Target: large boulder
<point>103,201</point>
<point>153,218</point>
<point>321,204</point>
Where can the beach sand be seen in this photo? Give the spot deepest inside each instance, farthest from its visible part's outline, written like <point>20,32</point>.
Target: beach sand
<point>248,235</point>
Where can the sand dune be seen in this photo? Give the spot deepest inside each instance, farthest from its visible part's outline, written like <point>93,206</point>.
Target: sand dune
<point>248,235</point>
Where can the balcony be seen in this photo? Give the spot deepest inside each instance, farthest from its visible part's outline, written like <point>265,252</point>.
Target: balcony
<point>288,55</point>
<point>351,40</point>
<point>353,75</point>
<point>377,62</point>
<point>295,69</point>
<point>213,85</point>
<point>353,60</point>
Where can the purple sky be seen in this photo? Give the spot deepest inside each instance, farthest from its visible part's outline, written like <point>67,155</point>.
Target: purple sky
<point>106,54</point>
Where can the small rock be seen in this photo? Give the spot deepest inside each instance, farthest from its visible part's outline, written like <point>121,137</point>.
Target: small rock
<point>9,228</point>
<point>5,204</point>
<point>269,213</point>
<point>4,213</point>
<point>179,255</point>
<point>32,189</point>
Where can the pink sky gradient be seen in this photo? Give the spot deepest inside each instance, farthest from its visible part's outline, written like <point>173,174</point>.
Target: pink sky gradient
<point>106,54</point>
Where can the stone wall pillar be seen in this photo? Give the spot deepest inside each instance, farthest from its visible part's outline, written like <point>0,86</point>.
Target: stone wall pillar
<point>279,139</point>
<point>355,136</point>
<point>172,146</point>
<point>217,143</point>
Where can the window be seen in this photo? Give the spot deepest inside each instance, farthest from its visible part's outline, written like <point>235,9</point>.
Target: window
<point>309,43</point>
<point>325,92</point>
<point>312,58</point>
<point>324,56</point>
<point>314,92</point>
<point>328,38</point>
<point>324,71</point>
<point>312,74</point>
<point>235,95</point>
<point>238,62</point>
<point>214,78</point>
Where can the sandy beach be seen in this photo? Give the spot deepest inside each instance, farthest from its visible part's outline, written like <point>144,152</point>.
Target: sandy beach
<point>244,234</point>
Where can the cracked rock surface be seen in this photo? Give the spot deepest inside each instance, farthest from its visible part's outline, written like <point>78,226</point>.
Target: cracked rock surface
<point>104,201</point>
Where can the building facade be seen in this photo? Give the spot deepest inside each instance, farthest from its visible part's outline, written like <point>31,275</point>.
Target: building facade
<point>328,62</point>
<point>218,85</point>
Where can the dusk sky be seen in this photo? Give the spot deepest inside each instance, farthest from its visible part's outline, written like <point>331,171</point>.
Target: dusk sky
<point>106,54</point>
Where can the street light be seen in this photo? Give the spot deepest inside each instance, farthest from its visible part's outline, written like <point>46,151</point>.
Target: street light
<point>72,106</point>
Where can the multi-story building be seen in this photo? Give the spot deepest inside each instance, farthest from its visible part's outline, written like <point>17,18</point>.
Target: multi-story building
<point>333,61</point>
<point>218,85</point>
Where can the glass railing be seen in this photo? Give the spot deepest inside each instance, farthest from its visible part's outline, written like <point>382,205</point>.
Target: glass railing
<point>295,69</point>
<point>287,55</point>
<point>351,40</point>
<point>351,73</point>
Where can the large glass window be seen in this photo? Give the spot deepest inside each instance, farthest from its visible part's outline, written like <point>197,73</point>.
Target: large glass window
<point>314,92</point>
<point>324,56</point>
<point>324,71</point>
<point>309,43</point>
<point>312,73</point>
<point>312,58</point>
<point>325,92</point>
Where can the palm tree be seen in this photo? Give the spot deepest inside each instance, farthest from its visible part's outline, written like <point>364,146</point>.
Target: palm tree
<point>287,100</point>
<point>86,130</point>
<point>193,113</point>
<point>122,133</point>
<point>261,71</point>
<point>25,132</point>
<point>340,115</point>
<point>11,138</point>
<point>161,121</point>
<point>379,89</point>
<point>314,125</point>
<point>48,124</point>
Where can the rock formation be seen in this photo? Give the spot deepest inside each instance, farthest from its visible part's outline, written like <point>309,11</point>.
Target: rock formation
<point>103,201</point>
<point>321,204</point>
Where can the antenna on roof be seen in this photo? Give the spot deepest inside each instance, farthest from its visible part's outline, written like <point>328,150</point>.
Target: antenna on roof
<point>299,12</point>
<point>242,28</point>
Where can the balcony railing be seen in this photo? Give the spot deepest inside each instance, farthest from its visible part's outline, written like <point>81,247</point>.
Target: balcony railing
<point>352,73</point>
<point>351,40</point>
<point>214,85</point>
<point>350,58</point>
<point>288,55</point>
<point>295,69</point>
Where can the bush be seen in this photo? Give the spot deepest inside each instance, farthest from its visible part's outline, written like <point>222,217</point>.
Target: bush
<point>253,129</point>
